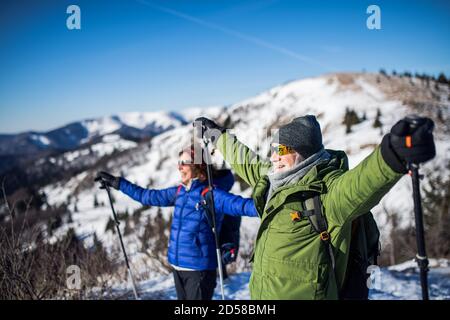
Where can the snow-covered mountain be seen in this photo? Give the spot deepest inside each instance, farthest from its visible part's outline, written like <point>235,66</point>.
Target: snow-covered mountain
<point>133,125</point>
<point>371,96</point>
<point>41,157</point>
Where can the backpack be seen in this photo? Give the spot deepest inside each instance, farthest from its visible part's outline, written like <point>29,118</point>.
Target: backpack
<point>363,252</point>
<point>229,238</point>
<point>229,235</point>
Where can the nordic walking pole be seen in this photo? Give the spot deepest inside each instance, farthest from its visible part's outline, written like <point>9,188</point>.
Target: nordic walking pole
<point>105,186</point>
<point>213,213</point>
<point>421,256</point>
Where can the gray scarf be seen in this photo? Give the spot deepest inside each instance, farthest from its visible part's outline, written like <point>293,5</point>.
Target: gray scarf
<point>296,173</point>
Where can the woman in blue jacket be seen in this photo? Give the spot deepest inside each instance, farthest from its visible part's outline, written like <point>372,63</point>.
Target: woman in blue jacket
<point>192,250</point>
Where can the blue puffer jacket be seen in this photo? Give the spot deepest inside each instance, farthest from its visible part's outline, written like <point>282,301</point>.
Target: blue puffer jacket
<point>192,243</point>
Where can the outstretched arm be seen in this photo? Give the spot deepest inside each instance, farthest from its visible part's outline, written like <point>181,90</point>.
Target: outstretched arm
<point>246,163</point>
<point>151,197</point>
<point>358,190</point>
<point>233,205</point>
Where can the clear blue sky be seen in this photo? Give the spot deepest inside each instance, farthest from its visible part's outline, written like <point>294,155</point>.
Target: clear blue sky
<point>146,55</point>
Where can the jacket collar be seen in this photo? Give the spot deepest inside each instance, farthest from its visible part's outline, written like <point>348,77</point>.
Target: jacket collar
<point>192,184</point>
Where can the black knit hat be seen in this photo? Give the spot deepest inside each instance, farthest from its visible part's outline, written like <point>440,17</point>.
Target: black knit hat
<point>302,134</point>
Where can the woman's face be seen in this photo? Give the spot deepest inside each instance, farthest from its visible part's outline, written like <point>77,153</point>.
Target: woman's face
<point>186,168</point>
<point>283,162</point>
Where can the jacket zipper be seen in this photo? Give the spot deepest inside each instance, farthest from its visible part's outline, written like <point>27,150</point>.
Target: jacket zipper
<point>179,228</point>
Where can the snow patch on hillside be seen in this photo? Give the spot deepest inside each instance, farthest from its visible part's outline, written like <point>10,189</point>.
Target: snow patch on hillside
<point>41,139</point>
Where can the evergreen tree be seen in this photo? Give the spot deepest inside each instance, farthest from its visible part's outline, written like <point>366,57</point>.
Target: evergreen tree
<point>436,86</point>
<point>442,78</point>
<point>350,119</point>
<point>69,217</point>
<point>436,211</point>
<point>111,225</point>
<point>128,229</point>
<point>97,244</point>
<point>377,123</point>
<point>364,117</point>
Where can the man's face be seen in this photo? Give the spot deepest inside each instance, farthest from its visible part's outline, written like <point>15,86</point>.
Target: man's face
<point>186,169</point>
<point>283,158</point>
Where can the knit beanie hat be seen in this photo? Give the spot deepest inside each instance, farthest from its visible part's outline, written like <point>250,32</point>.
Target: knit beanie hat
<point>302,134</point>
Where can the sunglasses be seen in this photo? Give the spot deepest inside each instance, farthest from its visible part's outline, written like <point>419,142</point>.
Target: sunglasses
<point>281,149</point>
<point>184,162</point>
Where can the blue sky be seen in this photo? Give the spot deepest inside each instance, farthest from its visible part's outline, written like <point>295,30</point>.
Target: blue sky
<point>146,55</point>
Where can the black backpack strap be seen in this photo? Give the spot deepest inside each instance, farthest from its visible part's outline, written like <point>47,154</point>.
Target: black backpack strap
<point>319,224</point>
<point>206,204</point>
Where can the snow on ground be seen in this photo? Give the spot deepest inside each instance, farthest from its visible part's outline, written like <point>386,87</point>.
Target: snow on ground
<point>392,283</point>
<point>402,282</point>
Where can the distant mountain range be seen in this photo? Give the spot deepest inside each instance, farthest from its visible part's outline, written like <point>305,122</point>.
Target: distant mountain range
<point>131,126</point>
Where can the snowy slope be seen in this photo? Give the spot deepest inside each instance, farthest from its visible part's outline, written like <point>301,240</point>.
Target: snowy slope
<point>252,120</point>
<point>400,282</point>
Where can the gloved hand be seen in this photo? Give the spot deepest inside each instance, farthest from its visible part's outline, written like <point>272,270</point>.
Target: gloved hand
<point>410,141</point>
<point>108,179</point>
<point>208,129</point>
<point>229,252</point>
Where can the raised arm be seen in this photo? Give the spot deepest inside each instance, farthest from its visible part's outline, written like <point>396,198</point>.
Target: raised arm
<point>358,190</point>
<point>246,163</point>
<point>151,197</point>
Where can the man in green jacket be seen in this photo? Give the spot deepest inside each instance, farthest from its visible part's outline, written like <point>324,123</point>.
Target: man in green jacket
<point>290,260</point>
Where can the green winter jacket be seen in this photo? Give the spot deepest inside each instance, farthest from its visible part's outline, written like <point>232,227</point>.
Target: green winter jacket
<point>290,261</point>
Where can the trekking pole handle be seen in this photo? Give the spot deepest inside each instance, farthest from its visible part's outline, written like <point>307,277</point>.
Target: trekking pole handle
<point>414,121</point>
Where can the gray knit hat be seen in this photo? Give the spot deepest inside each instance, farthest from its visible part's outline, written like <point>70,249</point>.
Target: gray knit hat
<point>302,134</point>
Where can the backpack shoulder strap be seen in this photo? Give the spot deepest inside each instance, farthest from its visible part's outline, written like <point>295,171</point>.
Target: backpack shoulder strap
<point>316,216</point>
<point>178,190</point>
<point>319,224</point>
<point>205,204</point>
<point>204,191</point>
